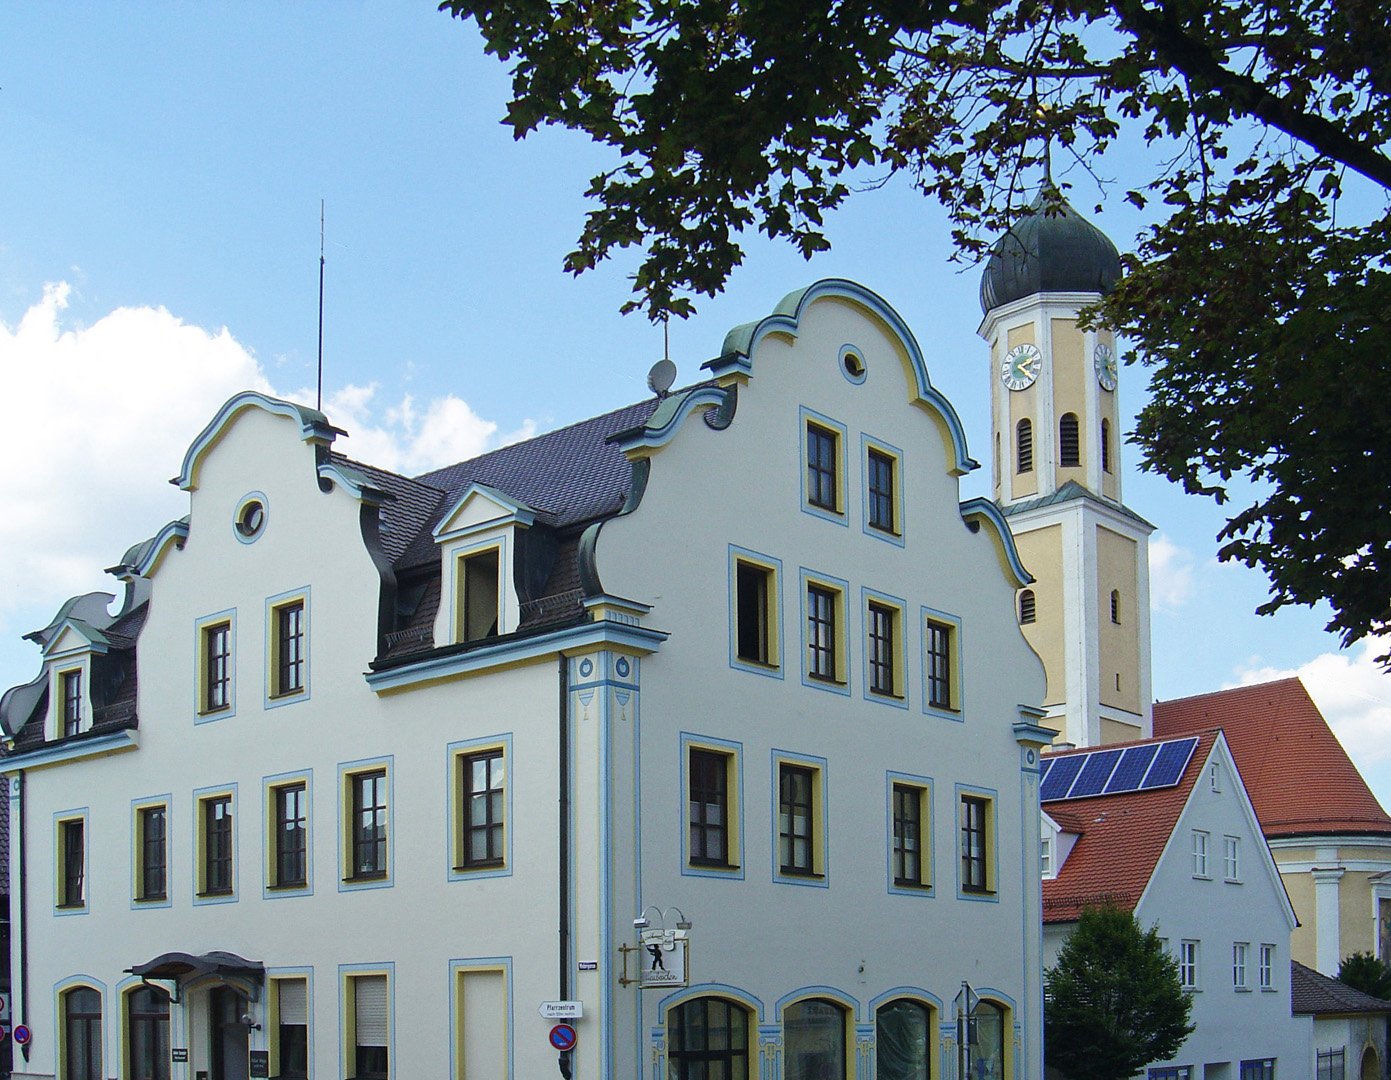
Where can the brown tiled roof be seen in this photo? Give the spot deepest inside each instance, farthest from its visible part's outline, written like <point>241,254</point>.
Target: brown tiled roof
<point>1311,992</point>
<point>1121,839</point>
<point>1300,779</point>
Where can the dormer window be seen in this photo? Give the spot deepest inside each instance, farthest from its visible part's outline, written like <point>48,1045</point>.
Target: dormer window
<point>72,701</point>
<point>478,595</point>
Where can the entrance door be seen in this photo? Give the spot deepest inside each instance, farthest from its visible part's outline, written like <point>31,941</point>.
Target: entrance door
<point>228,1035</point>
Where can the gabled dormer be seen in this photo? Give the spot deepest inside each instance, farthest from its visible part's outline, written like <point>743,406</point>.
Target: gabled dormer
<point>484,540</point>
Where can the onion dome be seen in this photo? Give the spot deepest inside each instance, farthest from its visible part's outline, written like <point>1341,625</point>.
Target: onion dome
<point>1051,249</point>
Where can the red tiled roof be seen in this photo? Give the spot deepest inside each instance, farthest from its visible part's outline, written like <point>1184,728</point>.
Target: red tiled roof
<point>1300,779</point>
<point>1122,837</point>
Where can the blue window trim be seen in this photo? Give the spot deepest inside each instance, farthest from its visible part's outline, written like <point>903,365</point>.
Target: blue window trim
<point>868,443</point>
<point>822,877</point>
<point>958,713</point>
<point>841,586</point>
<point>992,869</point>
<point>272,658</point>
<point>347,770</point>
<point>200,626</point>
<point>145,803</point>
<point>268,784</point>
<point>901,666</point>
<point>201,795</point>
<point>453,752</point>
<point>735,872</point>
<point>925,783</point>
<point>841,515</point>
<point>775,638</point>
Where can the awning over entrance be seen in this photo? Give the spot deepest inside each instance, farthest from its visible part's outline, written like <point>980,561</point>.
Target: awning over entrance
<point>180,966</point>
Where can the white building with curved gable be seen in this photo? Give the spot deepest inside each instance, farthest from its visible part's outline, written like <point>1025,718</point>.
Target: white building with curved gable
<point>365,769</point>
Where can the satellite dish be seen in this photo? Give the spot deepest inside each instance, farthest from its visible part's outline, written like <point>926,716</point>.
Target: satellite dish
<point>660,378</point>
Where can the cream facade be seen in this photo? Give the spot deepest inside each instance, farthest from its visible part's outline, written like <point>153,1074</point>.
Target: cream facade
<point>366,770</point>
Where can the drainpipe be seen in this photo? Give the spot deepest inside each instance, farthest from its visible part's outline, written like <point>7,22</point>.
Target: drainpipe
<point>19,833</point>
<point>564,1063</point>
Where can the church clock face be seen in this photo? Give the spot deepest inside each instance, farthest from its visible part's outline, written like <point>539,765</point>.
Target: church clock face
<point>1021,367</point>
<point>1104,360</point>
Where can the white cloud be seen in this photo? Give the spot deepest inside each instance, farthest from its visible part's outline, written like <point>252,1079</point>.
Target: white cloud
<point>94,420</point>
<point>1171,574</point>
<point>1354,694</point>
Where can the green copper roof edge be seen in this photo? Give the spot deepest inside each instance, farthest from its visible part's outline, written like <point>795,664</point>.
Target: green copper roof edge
<point>1073,490</point>
<point>668,417</point>
<point>314,427</point>
<point>740,342</point>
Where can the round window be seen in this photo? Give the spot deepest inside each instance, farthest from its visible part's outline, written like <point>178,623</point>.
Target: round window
<point>852,364</point>
<point>250,518</point>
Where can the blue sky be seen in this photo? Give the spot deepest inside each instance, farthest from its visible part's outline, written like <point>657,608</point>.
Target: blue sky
<point>163,167</point>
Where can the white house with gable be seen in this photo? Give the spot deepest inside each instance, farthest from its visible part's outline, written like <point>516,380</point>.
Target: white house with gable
<point>722,692</point>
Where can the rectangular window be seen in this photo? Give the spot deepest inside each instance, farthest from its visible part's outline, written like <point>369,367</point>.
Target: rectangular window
<point>479,597</point>
<point>1231,858</point>
<point>883,649</point>
<point>217,667</point>
<point>371,1036</point>
<point>289,1029</point>
<point>290,836</point>
<point>1172,1072</point>
<point>881,492</point>
<point>1045,856</point>
<point>1266,967</point>
<point>709,808</point>
<point>72,702</point>
<point>823,454</point>
<point>754,598</point>
<point>72,842</point>
<point>289,648</point>
<point>153,832</point>
<point>1239,952</point>
<point>216,827</point>
<point>1262,1069</point>
<point>1199,853</point>
<point>367,827</point>
<point>796,823</point>
<point>1331,1064</point>
<point>975,844</point>
<point>147,1033</point>
<point>909,836</point>
<point>822,605</point>
<point>940,664</point>
<point>1188,964</point>
<point>483,782</point>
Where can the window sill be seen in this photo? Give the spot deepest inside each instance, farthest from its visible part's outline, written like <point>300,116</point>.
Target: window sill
<point>1241,989</point>
<point>829,680</point>
<point>287,886</point>
<point>977,890</point>
<point>79,906</point>
<point>1202,877</point>
<point>921,886</point>
<point>212,894</point>
<point>787,871</point>
<point>749,661</point>
<point>886,532</point>
<point>489,864</point>
<point>1231,881</point>
<point>358,878</point>
<point>886,695</point>
<point>215,711</point>
<point>284,694</point>
<point>153,898</point>
<point>701,864</point>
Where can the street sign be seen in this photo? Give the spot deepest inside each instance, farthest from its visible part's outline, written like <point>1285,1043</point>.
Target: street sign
<point>3,1033</point>
<point>563,1037</point>
<point>22,1034</point>
<point>561,1010</point>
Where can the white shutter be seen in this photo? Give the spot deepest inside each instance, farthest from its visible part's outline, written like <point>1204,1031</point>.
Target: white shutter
<point>294,1001</point>
<point>369,992</point>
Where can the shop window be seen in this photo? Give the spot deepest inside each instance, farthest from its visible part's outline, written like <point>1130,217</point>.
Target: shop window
<point>903,1040</point>
<point>82,1053</point>
<point>813,1041</point>
<point>707,1037</point>
<point>147,1033</point>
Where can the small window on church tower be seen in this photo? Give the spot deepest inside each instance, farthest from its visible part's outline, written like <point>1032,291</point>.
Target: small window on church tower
<point>1027,606</point>
<point>1069,442</point>
<point>1106,445</point>
<point>1116,606</point>
<point>1025,443</point>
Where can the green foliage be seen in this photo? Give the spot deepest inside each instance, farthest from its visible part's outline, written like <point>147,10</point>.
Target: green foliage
<point>1363,971</point>
<point>1262,315</point>
<point>1112,1003</point>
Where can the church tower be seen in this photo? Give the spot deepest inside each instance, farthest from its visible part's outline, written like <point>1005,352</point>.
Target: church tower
<point>1056,444</point>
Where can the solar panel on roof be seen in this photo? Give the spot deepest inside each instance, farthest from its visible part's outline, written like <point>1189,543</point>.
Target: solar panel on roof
<point>1095,773</point>
<point>1169,764</point>
<point>1131,770</point>
<point>1043,767</point>
<point>1115,770</point>
<point>1060,777</point>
